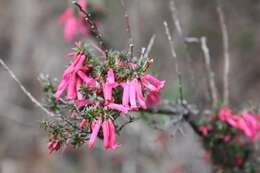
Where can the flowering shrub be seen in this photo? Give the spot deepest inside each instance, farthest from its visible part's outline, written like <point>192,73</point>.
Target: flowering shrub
<point>97,94</point>
<point>229,138</point>
<point>75,24</point>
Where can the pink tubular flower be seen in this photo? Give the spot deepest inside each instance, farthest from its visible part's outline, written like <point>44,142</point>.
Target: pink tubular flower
<point>154,86</point>
<point>139,94</point>
<point>233,121</point>
<point>117,107</point>
<point>241,124</point>
<point>251,121</point>
<point>247,123</point>
<point>73,79</point>
<point>132,95</point>
<point>70,23</point>
<point>112,134</point>
<point>61,88</point>
<point>81,103</point>
<point>153,98</point>
<point>69,80</point>
<point>224,113</point>
<point>83,3</point>
<point>83,122</point>
<point>73,25</point>
<point>75,65</point>
<point>108,86</point>
<point>71,91</point>
<point>106,135</point>
<point>88,80</point>
<point>204,130</point>
<point>152,83</point>
<point>95,130</point>
<point>125,98</point>
<point>53,146</point>
<point>79,94</point>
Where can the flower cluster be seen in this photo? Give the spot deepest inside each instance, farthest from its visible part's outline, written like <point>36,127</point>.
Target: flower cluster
<point>246,122</point>
<point>75,24</point>
<point>97,93</point>
<point>229,138</point>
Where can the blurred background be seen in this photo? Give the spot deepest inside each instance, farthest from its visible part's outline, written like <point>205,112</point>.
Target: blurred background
<point>31,42</point>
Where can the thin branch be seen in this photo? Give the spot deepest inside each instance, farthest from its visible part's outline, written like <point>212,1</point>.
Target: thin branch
<point>211,75</point>
<point>179,30</point>
<point>93,27</point>
<point>225,39</point>
<point>128,29</point>
<point>174,55</point>
<point>150,45</point>
<point>183,113</point>
<point>175,18</point>
<point>31,97</point>
<point>142,54</point>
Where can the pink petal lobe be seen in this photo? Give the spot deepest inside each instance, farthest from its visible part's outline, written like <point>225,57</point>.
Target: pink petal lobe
<point>106,134</point>
<point>117,107</point>
<point>112,133</point>
<point>94,133</point>
<point>132,92</point>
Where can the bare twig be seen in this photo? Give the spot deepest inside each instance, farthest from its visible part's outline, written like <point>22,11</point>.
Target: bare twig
<point>128,29</point>
<point>150,45</point>
<point>225,39</point>
<point>175,18</point>
<point>211,75</point>
<point>174,55</point>
<point>180,33</point>
<point>142,54</point>
<point>31,97</point>
<point>93,27</point>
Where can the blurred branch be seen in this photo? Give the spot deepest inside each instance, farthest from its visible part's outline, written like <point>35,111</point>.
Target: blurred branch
<point>178,27</point>
<point>128,29</point>
<point>174,55</point>
<point>225,39</point>
<point>31,97</point>
<point>211,75</point>
<point>150,45</point>
<point>175,18</point>
<point>93,27</point>
<point>182,112</point>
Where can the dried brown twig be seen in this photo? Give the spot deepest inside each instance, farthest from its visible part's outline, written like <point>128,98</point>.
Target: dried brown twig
<point>225,39</point>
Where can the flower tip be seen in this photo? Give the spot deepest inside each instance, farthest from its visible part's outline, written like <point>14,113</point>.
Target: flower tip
<point>116,146</point>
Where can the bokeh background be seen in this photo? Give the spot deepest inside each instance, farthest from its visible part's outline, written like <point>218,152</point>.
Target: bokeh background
<point>31,42</point>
